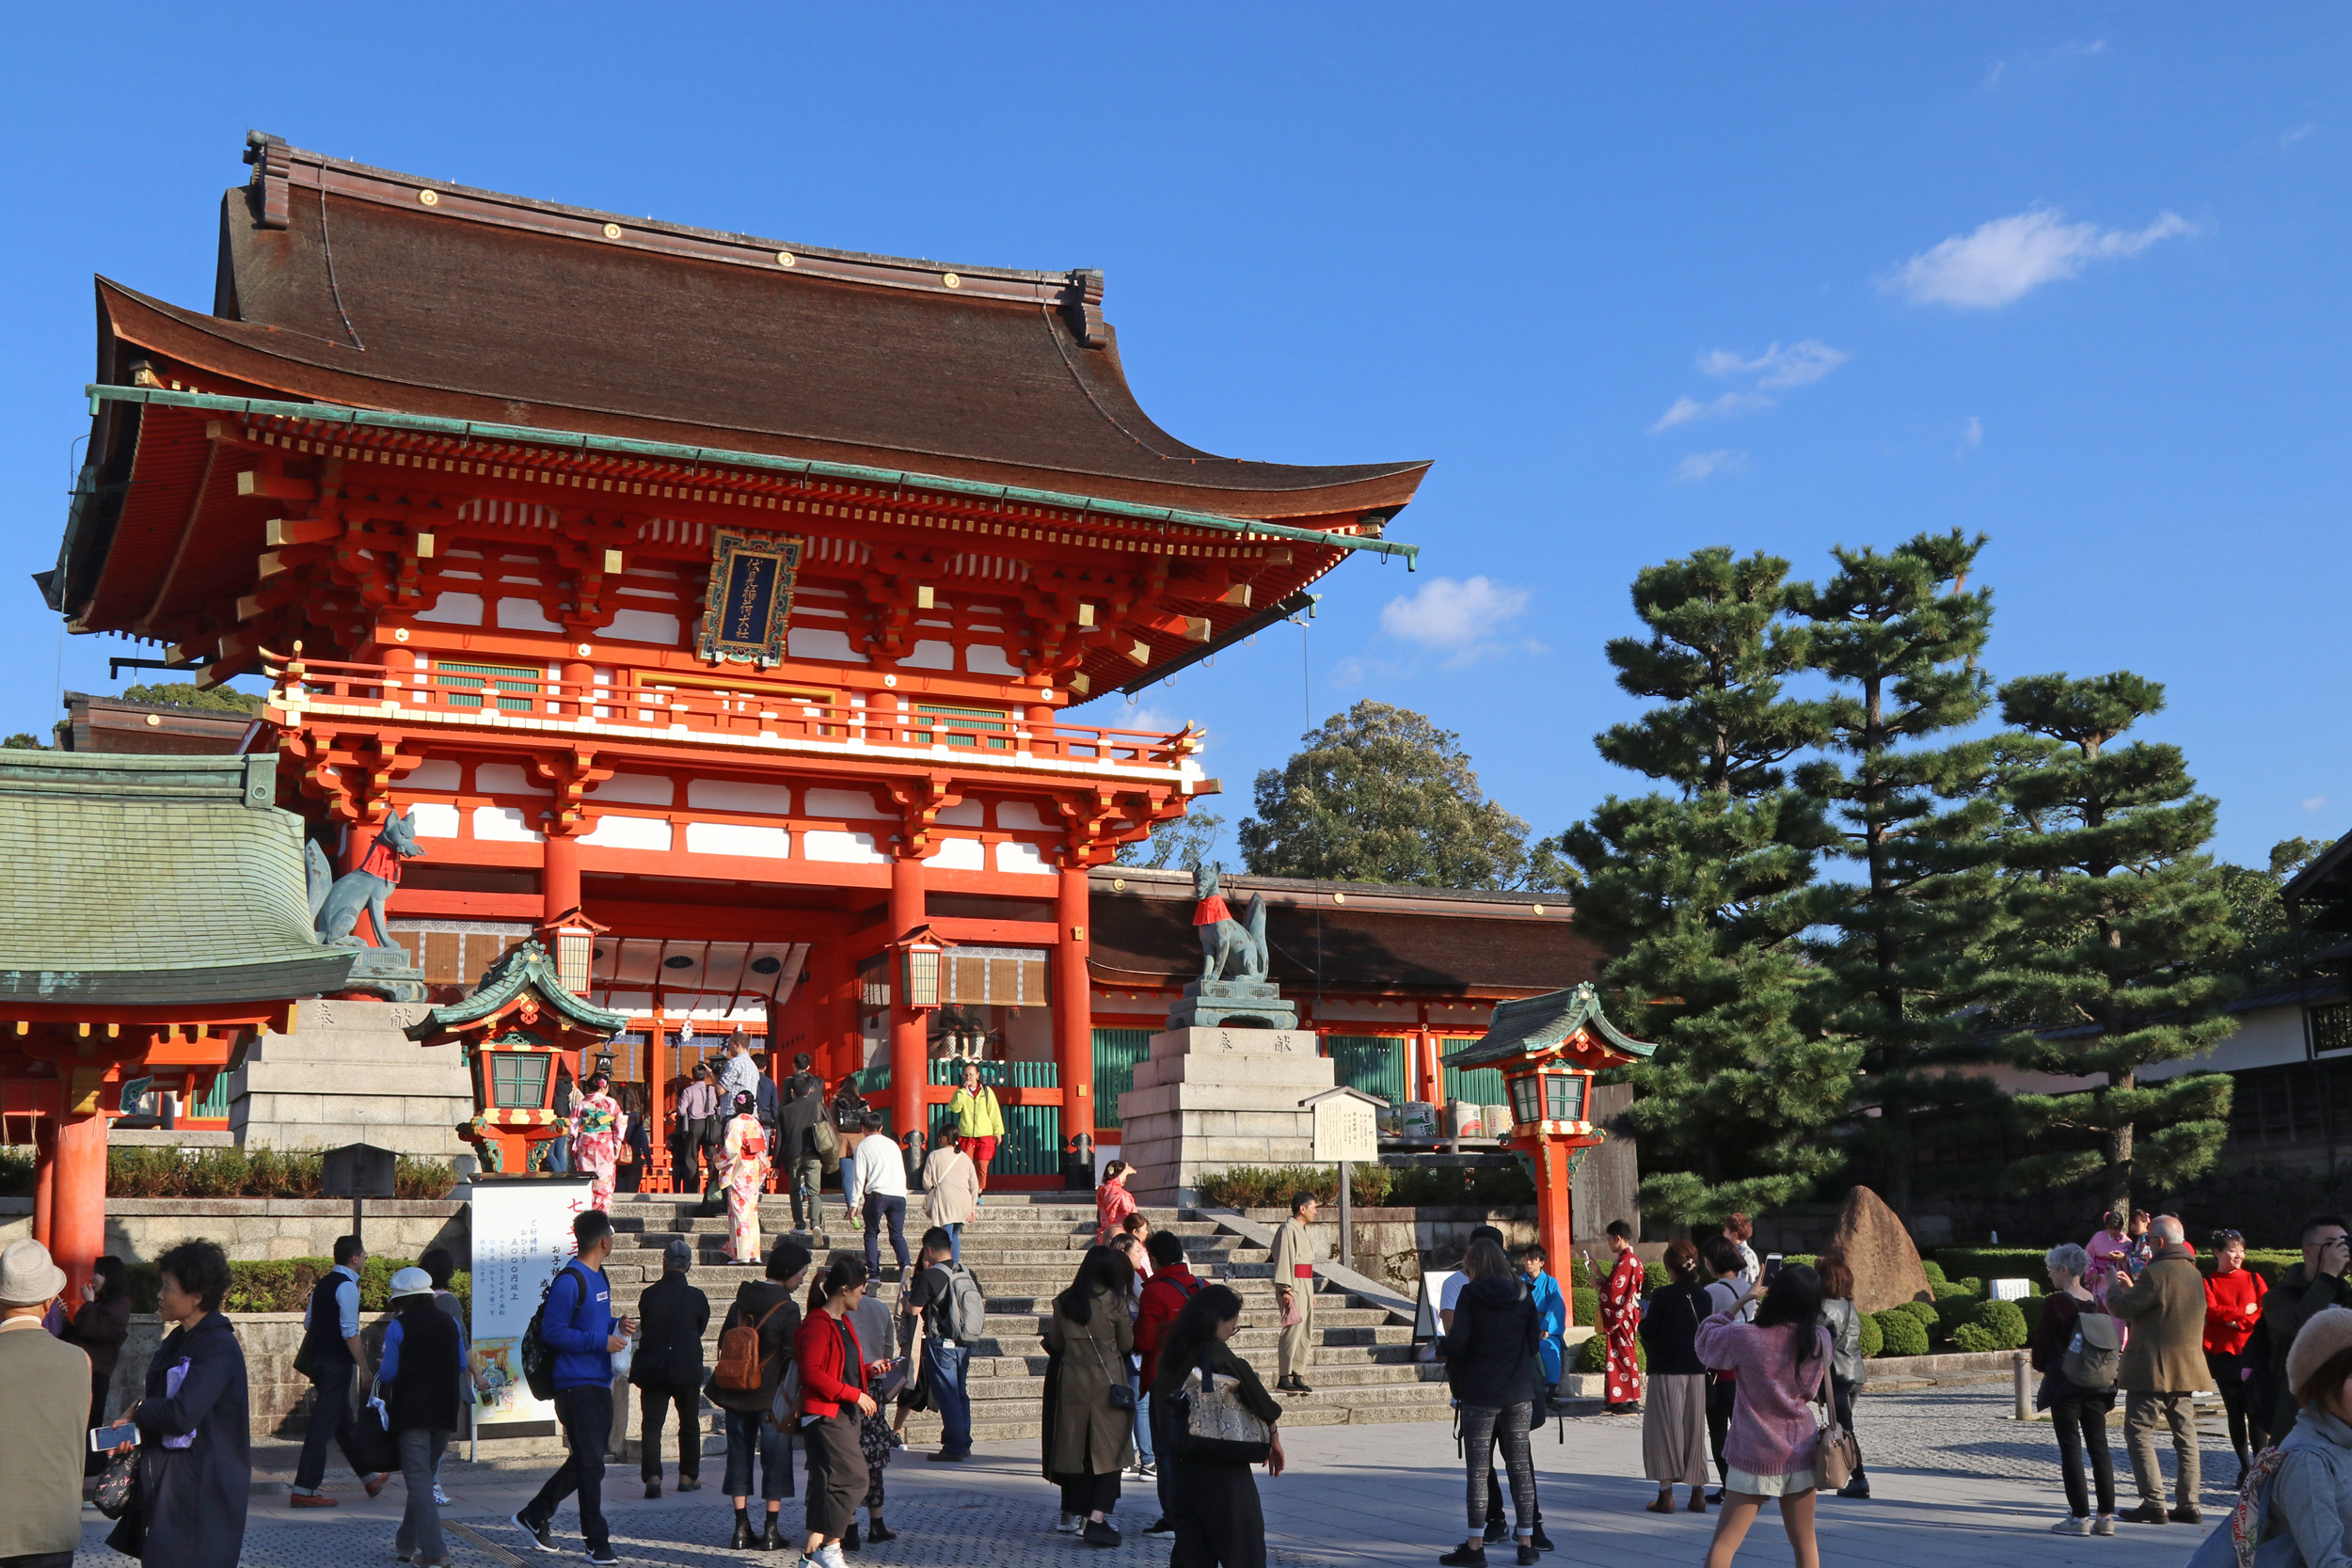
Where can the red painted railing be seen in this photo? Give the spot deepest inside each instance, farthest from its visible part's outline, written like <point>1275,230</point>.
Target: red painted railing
<point>485,691</point>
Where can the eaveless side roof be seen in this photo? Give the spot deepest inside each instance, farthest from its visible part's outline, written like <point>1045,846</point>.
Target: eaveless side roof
<point>376,288</point>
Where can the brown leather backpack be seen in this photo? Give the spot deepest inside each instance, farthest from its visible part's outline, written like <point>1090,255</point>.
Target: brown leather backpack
<point>739,1361</point>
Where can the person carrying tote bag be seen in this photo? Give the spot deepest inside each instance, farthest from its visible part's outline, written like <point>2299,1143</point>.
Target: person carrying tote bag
<point>1220,1419</point>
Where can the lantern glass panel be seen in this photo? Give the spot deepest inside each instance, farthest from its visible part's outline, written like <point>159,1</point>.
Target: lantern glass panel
<point>519,1080</point>
<point>1527,1097</point>
<point>575,951</point>
<point>922,970</point>
<point>1564,1097</point>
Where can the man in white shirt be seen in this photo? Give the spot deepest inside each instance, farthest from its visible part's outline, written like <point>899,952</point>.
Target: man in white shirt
<point>737,1073</point>
<point>877,1183</point>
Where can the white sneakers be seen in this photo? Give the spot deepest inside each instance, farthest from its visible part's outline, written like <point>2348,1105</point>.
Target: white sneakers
<point>2071,1525</point>
<point>829,1555</point>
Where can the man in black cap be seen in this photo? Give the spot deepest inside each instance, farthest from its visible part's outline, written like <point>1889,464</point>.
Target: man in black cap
<point>668,1368</point>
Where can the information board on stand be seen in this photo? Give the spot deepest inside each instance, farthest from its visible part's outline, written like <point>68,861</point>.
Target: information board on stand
<point>522,1234</point>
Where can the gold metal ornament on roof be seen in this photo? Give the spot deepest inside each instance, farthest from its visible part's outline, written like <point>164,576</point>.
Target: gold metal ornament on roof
<point>951,281</point>
<point>785,258</point>
<point>430,198</point>
<point>611,230</point>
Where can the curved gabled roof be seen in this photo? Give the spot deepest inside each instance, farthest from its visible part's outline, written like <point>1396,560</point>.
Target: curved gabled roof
<point>366,287</point>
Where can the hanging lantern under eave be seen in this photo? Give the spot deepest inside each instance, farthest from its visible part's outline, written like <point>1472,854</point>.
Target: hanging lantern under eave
<point>918,972</point>
<point>575,955</point>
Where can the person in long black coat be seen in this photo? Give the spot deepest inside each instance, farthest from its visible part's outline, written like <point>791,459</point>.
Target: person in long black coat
<point>190,1511</point>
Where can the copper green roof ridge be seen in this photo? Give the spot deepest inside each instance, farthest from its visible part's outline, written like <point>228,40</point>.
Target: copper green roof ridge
<point>525,966</point>
<point>328,412</point>
<point>1535,1023</point>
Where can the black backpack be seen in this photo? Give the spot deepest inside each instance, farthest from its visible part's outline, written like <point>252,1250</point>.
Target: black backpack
<point>538,1357</point>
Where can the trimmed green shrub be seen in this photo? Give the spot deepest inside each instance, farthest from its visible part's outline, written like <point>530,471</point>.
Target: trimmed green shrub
<point>1580,1277</point>
<point>1922,1310</point>
<point>252,1173</point>
<point>1873,1336</point>
<point>1951,1311</point>
<point>1996,1326</point>
<point>1273,1186</point>
<point>1900,1331</point>
<point>284,1285</point>
<point>1948,1289</point>
<point>1654,1278</point>
<point>1584,1307</point>
<point>1593,1355</point>
<point>1936,1269</point>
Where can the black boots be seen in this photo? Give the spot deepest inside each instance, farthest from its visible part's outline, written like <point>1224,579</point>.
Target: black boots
<point>771,1542</point>
<point>743,1538</point>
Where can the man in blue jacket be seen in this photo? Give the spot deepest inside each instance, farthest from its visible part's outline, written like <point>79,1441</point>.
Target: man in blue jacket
<point>577,1323</point>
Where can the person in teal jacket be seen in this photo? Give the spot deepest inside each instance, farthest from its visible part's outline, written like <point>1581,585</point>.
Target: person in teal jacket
<point>1551,1310</point>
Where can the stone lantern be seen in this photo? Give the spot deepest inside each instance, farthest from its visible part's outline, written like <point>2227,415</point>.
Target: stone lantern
<point>516,1026</point>
<point>1548,1048</point>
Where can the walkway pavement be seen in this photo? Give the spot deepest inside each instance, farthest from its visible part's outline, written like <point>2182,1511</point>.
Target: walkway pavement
<point>1959,1485</point>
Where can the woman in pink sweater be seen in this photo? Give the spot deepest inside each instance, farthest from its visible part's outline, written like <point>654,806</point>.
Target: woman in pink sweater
<point>1781,1359</point>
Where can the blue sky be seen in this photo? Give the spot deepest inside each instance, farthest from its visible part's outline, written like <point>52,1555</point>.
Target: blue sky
<point>1639,280</point>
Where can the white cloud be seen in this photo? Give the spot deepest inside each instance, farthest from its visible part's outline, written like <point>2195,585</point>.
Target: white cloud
<point>2077,50</point>
<point>1146,716</point>
<point>1793,366</point>
<point>2314,802</point>
<point>1450,614</point>
<point>2291,138</point>
<point>1706,464</point>
<point>2007,258</point>
<point>1993,76</point>
<point>1686,409</point>
<point>1972,434</point>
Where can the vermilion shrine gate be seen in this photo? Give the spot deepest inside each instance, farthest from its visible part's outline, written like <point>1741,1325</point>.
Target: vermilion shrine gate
<point>724,596</point>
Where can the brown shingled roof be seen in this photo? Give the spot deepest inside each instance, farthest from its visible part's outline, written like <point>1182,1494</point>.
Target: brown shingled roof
<point>340,282</point>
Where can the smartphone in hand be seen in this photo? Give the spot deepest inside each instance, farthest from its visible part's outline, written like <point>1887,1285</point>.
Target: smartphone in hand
<point>108,1439</point>
<point>1772,1267</point>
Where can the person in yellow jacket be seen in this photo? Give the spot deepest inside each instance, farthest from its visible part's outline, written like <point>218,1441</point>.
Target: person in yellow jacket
<point>979,1118</point>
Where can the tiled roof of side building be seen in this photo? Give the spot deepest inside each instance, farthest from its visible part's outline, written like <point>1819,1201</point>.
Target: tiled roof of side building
<point>346,284</point>
<point>150,880</point>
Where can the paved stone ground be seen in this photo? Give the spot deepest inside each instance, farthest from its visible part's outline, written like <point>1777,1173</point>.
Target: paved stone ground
<point>1959,1485</point>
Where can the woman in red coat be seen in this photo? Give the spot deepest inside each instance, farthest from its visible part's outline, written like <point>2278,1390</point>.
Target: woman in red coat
<point>833,1401</point>
<point>2233,1304</point>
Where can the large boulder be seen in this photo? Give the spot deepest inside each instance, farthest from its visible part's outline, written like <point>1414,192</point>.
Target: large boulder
<point>1887,1267</point>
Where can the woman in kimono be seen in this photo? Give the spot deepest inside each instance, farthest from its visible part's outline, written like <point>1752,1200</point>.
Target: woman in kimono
<point>1621,1322</point>
<point>746,1147</point>
<point>598,1127</point>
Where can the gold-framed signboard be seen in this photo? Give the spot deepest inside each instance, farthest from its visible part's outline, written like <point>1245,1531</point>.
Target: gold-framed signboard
<point>749,607</point>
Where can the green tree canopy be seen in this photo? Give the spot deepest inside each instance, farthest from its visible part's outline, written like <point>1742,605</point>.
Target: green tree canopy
<point>1379,794</point>
<point>2117,926</point>
<point>1898,634</point>
<point>1703,891</point>
<point>217,699</point>
<point>1184,842</point>
<point>2272,946</point>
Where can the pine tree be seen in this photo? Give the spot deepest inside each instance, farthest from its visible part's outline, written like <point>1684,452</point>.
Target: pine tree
<point>1703,891</point>
<point>1900,633</point>
<point>1380,794</point>
<point>2120,936</point>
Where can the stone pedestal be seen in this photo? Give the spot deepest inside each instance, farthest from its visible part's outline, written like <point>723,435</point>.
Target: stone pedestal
<point>347,1074</point>
<point>1212,1099</point>
<point>1240,1004</point>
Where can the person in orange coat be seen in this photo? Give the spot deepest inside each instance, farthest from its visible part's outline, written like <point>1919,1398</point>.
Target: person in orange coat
<point>2233,1304</point>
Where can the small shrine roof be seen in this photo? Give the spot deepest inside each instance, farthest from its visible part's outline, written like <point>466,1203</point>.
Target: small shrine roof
<point>524,967</point>
<point>153,881</point>
<point>1537,1023</point>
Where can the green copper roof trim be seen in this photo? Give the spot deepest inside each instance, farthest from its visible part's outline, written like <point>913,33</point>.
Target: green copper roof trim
<point>327,413</point>
<point>1538,1022</point>
<point>525,967</point>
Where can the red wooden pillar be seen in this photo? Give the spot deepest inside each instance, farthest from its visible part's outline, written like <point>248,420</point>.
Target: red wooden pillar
<point>77,1223</point>
<point>1555,1209</point>
<point>45,1180</point>
<point>559,877</point>
<point>657,1109</point>
<point>906,1075</point>
<point>1074,1006</point>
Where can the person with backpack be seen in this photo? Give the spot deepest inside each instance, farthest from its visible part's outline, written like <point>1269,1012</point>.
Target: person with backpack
<point>1171,1285</point>
<point>949,1306</point>
<point>575,1322</point>
<point>2078,1387</point>
<point>754,1348</point>
<point>951,1188</point>
<point>667,1369</point>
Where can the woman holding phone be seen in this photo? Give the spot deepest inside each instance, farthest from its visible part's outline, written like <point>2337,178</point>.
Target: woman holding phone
<point>195,1467</point>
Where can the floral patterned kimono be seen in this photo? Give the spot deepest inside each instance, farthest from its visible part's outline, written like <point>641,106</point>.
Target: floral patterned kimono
<point>1621,1323</point>
<point>746,1173</point>
<point>596,1144</point>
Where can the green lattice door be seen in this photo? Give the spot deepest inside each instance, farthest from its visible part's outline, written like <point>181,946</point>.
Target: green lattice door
<point>1372,1063</point>
<point>1115,1053</point>
<point>1478,1085</point>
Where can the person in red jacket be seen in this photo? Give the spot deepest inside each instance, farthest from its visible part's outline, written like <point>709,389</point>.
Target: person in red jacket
<point>2233,1304</point>
<point>1171,1285</point>
<point>833,1401</point>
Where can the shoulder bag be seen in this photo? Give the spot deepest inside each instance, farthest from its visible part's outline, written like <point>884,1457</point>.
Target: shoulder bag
<point>1122,1396</point>
<point>1212,1426</point>
<point>1835,1454</point>
<point>118,1487</point>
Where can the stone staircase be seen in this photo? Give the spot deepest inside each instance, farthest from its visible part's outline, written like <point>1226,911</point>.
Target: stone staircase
<point>1024,1251</point>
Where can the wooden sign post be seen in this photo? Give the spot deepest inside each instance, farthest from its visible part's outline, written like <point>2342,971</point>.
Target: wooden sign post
<point>1348,1131</point>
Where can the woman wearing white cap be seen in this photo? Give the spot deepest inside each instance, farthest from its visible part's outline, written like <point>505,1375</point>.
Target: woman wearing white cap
<point>2302,1489</point>
<point>418,1384</point>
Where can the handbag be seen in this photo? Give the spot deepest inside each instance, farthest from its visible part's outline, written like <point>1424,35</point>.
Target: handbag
<point>118,1485</point>
<point>1212,1426</point>
<point>1122,1396</point>
<point>1835,1454</point>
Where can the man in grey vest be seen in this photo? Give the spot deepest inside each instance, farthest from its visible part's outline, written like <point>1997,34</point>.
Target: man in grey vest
<point>44,1387</point>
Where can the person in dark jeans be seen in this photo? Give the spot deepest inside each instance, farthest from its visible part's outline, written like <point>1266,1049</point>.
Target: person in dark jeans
<point>946,1358</point>
<point>331,1356</point>
<point>560,1147</point>
<point>577,1323</point>
<point>797,1164</point>
<point>2078,1416</point>
<point>667,1369</point>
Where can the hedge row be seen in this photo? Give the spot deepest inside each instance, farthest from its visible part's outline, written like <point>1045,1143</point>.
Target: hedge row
<point>225,1173</point>
<point>284,1285</point>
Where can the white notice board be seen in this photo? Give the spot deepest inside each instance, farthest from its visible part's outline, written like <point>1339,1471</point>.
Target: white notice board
<point>523,1233</point>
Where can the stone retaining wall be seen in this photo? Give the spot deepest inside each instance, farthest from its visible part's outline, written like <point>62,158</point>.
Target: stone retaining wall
<point>260,1230</point>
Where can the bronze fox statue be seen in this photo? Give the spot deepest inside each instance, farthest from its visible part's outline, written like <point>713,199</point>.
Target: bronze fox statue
<point>335,902</point>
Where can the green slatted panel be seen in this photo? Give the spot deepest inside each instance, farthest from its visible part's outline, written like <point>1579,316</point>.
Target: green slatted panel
<point>1032,1142</point>
<point>1372,1063</point>
<point>1115,1053</point>
<point>1480,1085</point>
<point>214,1106</point>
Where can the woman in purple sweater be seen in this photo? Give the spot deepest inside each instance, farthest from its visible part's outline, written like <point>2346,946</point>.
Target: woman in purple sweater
<point>1781,1359</point>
